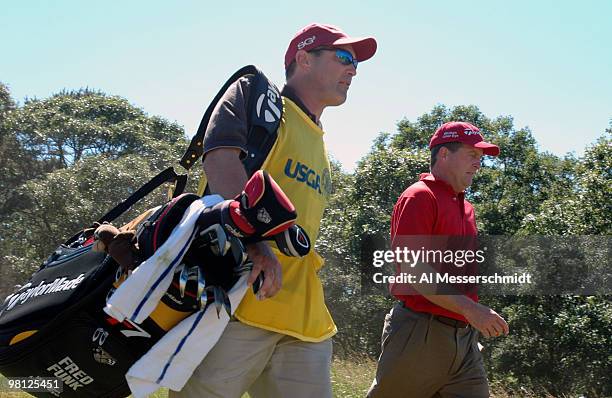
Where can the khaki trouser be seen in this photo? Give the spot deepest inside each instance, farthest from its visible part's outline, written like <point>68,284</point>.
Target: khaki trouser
<point>422,357</point>
<point>264,363</point>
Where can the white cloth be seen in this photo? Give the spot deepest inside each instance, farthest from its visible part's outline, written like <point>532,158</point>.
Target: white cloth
<point>138,296</point>
<point>172,360</point>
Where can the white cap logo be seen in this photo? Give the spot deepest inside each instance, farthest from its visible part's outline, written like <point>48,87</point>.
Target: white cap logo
<point>306,42</point>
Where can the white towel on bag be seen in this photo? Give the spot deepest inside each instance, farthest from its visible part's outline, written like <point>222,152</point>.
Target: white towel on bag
<point>138,296</point>
<point>172,360</point>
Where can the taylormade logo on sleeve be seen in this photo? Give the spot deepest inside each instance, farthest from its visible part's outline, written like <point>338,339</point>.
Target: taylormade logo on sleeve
<point>273,113</point>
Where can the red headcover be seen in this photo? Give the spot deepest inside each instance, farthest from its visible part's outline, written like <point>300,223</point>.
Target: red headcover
<point>266,207</point>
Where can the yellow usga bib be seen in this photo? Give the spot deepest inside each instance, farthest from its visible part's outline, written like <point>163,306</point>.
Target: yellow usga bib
<point>298,163</point>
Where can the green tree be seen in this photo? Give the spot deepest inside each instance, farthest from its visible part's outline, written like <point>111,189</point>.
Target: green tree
<point>584,208</point>
<point>61,202</point>
<point>562,344</point>
<point>6,101</point>
<point>72,125</point>
<point>54,133</point>
<point>16,164</point>
<point>82,152</point>
<point>342,277</point>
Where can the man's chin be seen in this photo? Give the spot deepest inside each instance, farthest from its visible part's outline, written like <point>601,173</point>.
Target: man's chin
<point>467,182</point>
<point>339,100</point>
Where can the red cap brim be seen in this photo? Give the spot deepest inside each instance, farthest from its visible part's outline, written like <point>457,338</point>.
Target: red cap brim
<point>364,47</point>
<point>487,148</point>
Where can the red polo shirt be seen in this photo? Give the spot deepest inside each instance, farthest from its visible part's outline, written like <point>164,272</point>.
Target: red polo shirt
<point>431,207</point>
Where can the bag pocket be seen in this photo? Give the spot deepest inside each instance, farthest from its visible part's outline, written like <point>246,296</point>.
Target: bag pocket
<point>89,358</point>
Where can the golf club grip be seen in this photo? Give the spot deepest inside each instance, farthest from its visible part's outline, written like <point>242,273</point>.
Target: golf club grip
<point>258,283</point>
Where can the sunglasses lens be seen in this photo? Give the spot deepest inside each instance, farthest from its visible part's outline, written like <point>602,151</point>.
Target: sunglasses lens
<point>346,58</point>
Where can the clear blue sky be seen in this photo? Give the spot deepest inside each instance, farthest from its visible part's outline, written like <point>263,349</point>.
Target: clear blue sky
<point>546,63</point>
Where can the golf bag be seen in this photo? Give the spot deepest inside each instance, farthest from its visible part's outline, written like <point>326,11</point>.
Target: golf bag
<point>55,326</point>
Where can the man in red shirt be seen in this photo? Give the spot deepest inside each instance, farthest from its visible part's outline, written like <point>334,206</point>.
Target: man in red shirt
<point>430,341</point>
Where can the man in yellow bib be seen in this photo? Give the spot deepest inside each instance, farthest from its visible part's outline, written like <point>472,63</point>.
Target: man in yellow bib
<point>279,343</point>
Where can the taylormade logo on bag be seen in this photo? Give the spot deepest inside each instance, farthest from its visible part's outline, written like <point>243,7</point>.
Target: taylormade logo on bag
<point>27,292</point>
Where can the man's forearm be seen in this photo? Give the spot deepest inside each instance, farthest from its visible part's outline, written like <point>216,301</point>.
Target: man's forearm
<point>224,171</point>
<point>456,303</point>
<point>226,176</point>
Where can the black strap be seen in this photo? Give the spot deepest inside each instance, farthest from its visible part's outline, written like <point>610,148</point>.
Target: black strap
<point>181,183</point>
<point>195,149</point>
<point>167,175</point>
<point>264,113</point>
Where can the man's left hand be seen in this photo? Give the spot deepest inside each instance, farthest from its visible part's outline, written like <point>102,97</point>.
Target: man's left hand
<point>265,261</point>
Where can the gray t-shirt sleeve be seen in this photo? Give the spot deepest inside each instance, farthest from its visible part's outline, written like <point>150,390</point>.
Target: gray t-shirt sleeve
<point>227,127</point>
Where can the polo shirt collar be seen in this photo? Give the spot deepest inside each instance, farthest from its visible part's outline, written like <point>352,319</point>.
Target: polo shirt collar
<point>439,182</point>
<point>292,95</point>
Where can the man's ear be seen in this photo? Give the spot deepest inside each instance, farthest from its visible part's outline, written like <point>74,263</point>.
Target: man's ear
<point>302,59</point>
<point>442,153</point>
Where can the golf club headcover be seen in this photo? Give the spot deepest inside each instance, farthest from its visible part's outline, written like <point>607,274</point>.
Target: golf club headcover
<point>120,245</point>
<point>293,241</point>
<point>265,206</point>
<point>261,210</point>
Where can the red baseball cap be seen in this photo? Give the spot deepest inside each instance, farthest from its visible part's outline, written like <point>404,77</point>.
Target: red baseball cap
<point>465,133</point>
<point>317,35</point>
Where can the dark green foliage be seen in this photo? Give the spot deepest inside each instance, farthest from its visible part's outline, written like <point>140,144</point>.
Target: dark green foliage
<point>583,208</point>
<point>343,273</point>
<point>65,161</point>
<point>73,125</point>
<point>563,343</point>
<point>557,344</point>
<point>6,101</point>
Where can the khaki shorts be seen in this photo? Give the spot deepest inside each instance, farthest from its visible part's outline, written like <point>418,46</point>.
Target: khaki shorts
<point>264,363</point>
<point>423,357</point>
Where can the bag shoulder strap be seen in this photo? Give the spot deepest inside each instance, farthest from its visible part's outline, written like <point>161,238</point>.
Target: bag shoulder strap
<point>167,175</point>
<point>264,112</point>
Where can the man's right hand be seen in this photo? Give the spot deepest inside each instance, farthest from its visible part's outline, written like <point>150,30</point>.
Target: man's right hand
<point>488,322</point>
